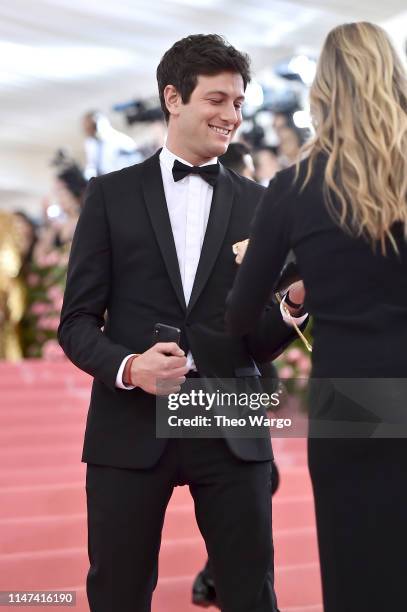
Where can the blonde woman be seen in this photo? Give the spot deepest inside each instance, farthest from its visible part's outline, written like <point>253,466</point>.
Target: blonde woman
<point>343,211</point>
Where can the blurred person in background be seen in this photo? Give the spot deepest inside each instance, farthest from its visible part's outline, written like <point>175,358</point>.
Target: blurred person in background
<point>289,148</point>
<point>12,294</point>
<point>343,211</point>
<point>280,121</point>
<point>266,164</point>
<point>106,148</point>
<point>68,191</point>
<point>44,255</point>
<point>252,138</point>
<point>157,133</point>
<point>27,236</point>
<point>238,158</point>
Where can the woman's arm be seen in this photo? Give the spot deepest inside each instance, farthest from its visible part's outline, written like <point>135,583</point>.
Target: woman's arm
<point>267,251</point>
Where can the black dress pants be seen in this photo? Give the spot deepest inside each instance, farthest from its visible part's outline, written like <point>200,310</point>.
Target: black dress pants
<point>126,511</point>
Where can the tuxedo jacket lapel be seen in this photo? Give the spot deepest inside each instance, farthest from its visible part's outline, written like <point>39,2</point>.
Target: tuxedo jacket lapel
<point>215,232</point>
<point>154,195</point>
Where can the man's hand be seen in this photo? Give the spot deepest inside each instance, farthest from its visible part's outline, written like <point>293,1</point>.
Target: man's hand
<point>296,295</point>
<point>161,370</point>
<point>239,249</point>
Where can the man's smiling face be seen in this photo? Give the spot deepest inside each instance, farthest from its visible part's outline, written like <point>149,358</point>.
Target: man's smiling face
<point>203,127</point>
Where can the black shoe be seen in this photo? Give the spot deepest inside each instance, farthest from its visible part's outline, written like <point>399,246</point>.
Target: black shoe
<point>203,590</point>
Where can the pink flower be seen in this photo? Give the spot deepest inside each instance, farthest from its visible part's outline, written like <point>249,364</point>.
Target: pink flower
<point>40,308</point>
<point>304,365</point>
<point>58,304</point>
<point>33,280</point>
<point>48,260</point>
<point>64,259</point>
<point>49,323</point>
<point>293,355</point>
<point>53,323</point>
<point>286,372</point>
<point>51,351</point>
<point>54,292</point>
<point>42,323</point>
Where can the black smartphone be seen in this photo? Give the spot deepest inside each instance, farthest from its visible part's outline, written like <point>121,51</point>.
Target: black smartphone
<point>166,333</point>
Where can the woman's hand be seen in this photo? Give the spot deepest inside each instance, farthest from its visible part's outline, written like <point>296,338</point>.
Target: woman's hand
<point>296,295</point>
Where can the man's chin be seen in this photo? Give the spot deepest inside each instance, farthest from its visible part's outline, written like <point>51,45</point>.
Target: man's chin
<point>219,149</point>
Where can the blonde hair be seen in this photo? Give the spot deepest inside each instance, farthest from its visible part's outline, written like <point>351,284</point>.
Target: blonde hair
<point>359,107</point>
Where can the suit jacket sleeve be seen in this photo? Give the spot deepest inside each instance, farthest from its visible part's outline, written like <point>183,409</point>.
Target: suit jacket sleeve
<point>87,294</point>
<point>271,335</point>
<point>248,308</point>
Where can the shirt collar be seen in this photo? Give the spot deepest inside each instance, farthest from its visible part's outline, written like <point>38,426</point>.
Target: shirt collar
<point>167,158</point>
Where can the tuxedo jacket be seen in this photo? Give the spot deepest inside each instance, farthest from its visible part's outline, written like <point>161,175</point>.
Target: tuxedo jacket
<point>123,278</point>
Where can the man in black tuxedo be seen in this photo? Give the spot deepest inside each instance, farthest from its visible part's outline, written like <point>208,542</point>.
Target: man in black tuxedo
<point>154,245</point>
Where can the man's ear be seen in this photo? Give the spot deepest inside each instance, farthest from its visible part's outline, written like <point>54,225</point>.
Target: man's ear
<point>172,99</point>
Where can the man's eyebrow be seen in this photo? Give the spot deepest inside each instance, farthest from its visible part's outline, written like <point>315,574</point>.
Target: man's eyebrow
<point>222,93</point>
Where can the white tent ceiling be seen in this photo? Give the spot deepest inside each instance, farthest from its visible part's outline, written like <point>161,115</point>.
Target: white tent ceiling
<point>59,58</point>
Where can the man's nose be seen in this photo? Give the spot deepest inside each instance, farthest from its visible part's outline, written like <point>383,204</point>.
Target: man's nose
<point>230,114</point>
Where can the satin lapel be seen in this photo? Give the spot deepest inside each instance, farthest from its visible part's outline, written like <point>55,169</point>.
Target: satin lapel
<point>154,195</point>
<point>215,233</point>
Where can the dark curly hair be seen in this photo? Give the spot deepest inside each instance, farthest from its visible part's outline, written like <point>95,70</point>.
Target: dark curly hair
<point>206,54</point>
<point>74,181</point>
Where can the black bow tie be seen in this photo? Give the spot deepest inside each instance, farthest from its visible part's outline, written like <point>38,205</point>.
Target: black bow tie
<point>209,173</point>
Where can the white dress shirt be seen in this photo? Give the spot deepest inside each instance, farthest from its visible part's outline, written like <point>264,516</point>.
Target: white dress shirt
<point>189,204</point>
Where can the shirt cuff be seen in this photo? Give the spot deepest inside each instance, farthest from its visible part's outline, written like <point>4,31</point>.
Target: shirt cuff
<point>119,378</point>
<point>290,319</point>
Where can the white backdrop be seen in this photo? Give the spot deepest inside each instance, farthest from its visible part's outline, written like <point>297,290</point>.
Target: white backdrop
<point>59,58</point>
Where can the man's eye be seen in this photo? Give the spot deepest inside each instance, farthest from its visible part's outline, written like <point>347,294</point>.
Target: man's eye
<point>238,106</point>
<point>215,101</point>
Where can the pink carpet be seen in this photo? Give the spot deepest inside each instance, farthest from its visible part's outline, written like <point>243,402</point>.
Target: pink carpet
<point>42,510</point>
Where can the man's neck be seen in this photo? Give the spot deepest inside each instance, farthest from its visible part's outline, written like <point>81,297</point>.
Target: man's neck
<point>184,155</point>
